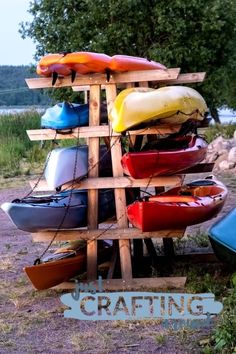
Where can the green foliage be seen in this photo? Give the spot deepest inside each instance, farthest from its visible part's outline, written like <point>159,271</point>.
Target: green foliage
<point>15,92</point>
<point>224,336</point>
<point>196,35</point>
<point>16,147</point>
<point>213,131</point>
<point>160,339</point>
<point>19,155</point>
<point>200,281</point>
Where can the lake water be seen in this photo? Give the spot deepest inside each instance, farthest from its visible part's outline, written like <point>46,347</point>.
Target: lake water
<point>226,115</point>
<point>15,110</point>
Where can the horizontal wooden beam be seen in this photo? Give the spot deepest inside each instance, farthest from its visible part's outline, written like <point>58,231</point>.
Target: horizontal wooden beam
<point>161,283</point>
<point>188,78</point>
<point>200,168</point>
<point>109,232</point>
<point>112,182</point>
<point>97,131</point>
<point>101,79</point>
<point>181,79</point>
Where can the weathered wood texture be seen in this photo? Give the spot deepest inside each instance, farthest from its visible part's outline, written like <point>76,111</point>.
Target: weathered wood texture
<point>161,283</point>
<point>101,79</point>
<point>97,131</point>
<point>109,231</point>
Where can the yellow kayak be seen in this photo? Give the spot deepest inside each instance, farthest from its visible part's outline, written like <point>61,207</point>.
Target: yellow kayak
<point>168,105</point>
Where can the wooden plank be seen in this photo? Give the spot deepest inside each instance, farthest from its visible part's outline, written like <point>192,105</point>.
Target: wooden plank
<point>93,170</point>
<point>113,182</point>
<point>101,79</point>
<point>110,232</point>
<point>197,258</point>
<point>136,284</point>
<point>98,131</point>
<point>187,78</point>
<point>120,198</point>
<point>200,168</point>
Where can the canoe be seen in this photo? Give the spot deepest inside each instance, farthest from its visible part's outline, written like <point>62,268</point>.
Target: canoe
<point>179,207</point>
<point>129,63</point>
<point>53,272</point>
<point>66,64</point>
<point>167,105</point>
<point>66,164</point>
<point>65,115</point>
<point>65,210</point>
<point>167,156</point>
<point>222,236</point>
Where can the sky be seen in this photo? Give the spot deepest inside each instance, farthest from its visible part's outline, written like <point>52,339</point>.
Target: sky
<point>13,49</point>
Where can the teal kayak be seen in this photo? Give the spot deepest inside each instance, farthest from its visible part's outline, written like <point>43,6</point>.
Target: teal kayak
<point>222,236</point>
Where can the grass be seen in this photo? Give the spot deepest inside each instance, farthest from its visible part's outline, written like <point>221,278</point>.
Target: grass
<point>16,149</point>
<point>18,155</point>
<point>213,131</point>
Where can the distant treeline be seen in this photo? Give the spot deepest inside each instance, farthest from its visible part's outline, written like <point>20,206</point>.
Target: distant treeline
<point>15,92</point>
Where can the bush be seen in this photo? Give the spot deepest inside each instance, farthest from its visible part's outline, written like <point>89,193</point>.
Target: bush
<point>213,131</point>
<point>15,145</point>
<point>225,333</point>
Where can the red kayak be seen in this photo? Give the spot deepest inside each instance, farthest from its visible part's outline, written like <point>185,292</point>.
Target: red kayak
<point>179,207</point>
<point>166,157</point>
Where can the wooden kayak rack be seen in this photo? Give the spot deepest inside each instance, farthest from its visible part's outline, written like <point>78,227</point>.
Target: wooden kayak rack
<point>119,230</point>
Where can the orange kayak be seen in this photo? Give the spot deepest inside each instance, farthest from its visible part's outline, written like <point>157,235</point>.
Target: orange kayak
<point>129,63</point>
<point>87,62</point>
<point>55,271</point>
<point>46,275</point>
<point>51,63</point>
<point>66,64</point>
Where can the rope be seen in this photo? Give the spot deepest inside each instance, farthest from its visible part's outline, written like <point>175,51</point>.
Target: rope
<point>68,204</point>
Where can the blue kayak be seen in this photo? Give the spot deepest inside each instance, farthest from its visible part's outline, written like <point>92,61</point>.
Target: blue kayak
<point>49,212</point>
<point>66,116</point>
<point>222,236</point>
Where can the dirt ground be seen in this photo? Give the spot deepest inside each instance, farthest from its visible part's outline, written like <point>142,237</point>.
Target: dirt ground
<point>33,321</point>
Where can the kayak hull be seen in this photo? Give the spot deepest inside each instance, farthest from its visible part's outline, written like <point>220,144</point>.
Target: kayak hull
<point>145,164</point>
<point>65,116</point>
<point>69,163</point>
<point>223,238</point>
<point>36,214</point>
<point>90,62</point>
<point>129,63</point>
<point>179,207</point>
<point>46,275</point>
<point>167,105</point>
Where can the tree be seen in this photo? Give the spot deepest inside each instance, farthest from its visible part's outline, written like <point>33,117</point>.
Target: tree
<point>196,35</point>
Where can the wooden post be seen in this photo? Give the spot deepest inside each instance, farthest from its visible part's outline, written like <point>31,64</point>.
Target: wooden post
<point>121,234</point>
<point>93,170</point>
<point>120,198</point>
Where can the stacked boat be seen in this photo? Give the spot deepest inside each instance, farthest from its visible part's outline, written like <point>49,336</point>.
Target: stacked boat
<point>134,108</point>
<point>80,63</point>
<point>179,207</point>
